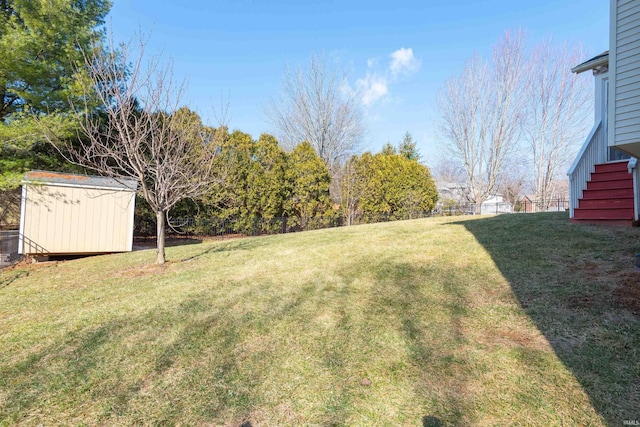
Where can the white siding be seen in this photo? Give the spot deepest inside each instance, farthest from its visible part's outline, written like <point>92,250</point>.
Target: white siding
<point>624,73</point>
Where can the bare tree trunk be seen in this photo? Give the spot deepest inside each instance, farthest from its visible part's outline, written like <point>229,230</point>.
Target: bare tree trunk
<point>160,237</point>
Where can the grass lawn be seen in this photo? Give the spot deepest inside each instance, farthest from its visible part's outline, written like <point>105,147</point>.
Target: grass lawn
<point>509,320</point>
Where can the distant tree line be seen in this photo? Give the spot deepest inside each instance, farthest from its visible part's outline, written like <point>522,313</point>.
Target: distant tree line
<point>264,184</point>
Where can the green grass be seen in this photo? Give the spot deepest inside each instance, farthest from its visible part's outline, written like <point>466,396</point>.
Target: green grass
<point>510,320</point>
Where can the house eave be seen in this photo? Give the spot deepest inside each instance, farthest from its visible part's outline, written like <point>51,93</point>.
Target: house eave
<point>593,64</point>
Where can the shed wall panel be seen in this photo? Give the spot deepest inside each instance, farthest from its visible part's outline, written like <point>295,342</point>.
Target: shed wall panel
<point>62,219</point>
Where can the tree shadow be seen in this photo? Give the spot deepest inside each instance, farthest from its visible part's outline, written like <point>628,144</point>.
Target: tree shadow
<point>9,277</point>
<point>233,245</point>
<point>431,421</point>
<point>403,292</point>
<point>118,363</point>
<point>570,280</point>
<point>150,242</point>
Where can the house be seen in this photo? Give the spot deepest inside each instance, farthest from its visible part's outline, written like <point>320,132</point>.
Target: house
<point>495,204</point>
<point>64,214</point>
<point>604,178</point>
<point>451,193</point>
<point>455,197</point>
<point>527,203</point>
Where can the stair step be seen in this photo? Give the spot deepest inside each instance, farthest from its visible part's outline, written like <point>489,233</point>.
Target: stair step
<point>610,185</point>
<point>608,193</point>
<point>606,203</point>
<point>613,222</point>
<point>611,167</point>
<point>610,176</point>
<point>603,213</point>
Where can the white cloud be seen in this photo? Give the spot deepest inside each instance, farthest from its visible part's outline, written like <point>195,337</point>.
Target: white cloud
<point>403,61</point>
<point>372,88</point>
<point>375,85</point>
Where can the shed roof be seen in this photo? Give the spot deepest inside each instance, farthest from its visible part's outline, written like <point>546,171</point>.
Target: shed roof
<point>59,178</point>
<point>595,62</point>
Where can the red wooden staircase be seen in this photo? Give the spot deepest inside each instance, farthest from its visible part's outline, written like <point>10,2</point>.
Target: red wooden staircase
<point>608,198</point>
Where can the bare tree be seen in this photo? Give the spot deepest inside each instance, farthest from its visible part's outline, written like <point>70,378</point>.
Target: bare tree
<point>316,106</point>
<point>514,178</point>
<point>556,114</point>
<point>449,170</point>
<point>353,186</point>
<point>481,111</point>
<point>142,133</point>
<point>511,186</point>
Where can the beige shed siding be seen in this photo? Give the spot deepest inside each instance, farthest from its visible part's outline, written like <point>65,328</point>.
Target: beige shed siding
<point>625,64</point>
<point>65,219</point>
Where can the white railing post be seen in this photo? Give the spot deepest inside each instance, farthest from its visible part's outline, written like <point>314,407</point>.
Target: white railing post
<point>593,152</point>
<point>635,170</point>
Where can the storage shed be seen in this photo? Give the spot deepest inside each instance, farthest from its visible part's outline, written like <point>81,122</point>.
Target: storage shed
<point>63,214</point>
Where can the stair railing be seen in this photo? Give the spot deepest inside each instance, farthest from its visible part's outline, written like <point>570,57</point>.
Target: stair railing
<point>634,169</point>
<point>593,152</point>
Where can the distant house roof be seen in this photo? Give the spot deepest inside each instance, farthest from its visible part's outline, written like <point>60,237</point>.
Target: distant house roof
<point>493,197</point>
<point>593,63</point>
<point>46,177</point>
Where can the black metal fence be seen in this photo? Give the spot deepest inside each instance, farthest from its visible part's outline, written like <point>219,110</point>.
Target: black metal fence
<point>222,228</point>
<point>8,247</point>
<point>226,228</point>
<point>533,206</point>
<point>521,206</point>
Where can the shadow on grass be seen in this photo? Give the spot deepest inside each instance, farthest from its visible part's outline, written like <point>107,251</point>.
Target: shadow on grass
<point>165,366</point>
<point>235,245</point>
<point>569,280</point>
<point>150,241</point>
<point>430,421</point>
<point>9,277</point>
<point>433,340</point>
<point>92,365</point>
<point>206,359</point>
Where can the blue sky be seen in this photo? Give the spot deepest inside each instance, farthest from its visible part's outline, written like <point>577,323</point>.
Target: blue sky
<point>399,52</point>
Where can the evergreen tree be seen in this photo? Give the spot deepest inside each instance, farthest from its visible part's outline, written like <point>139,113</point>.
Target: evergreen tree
<point>42,44</point>
<point>230,201</point>
<point>408,148</point>
<point>387,185</point>
<point>267,180</point>
<point>256,187</point>
<point>308,181</point>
